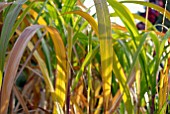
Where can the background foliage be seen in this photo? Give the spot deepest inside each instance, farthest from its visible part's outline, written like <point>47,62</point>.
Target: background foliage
<point>57,58</point>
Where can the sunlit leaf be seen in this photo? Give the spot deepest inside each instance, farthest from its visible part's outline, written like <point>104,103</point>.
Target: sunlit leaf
<point>61,71</point>
<point>106,50</point>
<point>138,17</point>
<point>68,6</point>
<point>35,15</point>
<point>43,68</point>
<point>163,89</point>
<point>126,17</point>
<point>89,18</point>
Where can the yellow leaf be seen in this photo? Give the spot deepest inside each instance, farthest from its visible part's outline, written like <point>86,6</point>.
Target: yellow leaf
<point>35,15</point>
<point>88,17</point>
<point>61,71</point>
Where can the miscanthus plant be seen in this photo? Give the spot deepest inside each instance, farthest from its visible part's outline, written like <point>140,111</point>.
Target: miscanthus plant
<point>57,58</point>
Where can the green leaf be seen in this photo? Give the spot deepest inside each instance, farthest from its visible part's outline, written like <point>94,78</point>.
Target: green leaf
<point>4,5</point>
<point>22,16</point>
<point>87,60</point>
<point>68,6</point>
<point>109,60</point>
<point>165,38</point>
<point>6,32</point>
<point>126,16</point>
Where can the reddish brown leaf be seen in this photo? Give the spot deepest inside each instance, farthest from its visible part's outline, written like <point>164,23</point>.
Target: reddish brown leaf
<point>13,63</point>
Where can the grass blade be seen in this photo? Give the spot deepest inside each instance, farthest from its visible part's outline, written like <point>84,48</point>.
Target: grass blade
<point>68,6</point>
<point>12,65</point>
<point>43,68</point>
<point>163,91</point>
<point>69,56</point>
<point>20,99</point>
<point>89,18</point>
<point>22,16</point>
<point>106,50</point>
<point>61,72</point>
<point>41,21</point>
<point>87,60</point>
<point>35,15</point>
<point>126,17</point>
<point>138,17</point>
<point>6,33</point>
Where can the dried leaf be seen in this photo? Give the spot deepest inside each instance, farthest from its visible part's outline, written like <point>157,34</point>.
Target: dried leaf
<point>20,99</point>
<point>13,63</point>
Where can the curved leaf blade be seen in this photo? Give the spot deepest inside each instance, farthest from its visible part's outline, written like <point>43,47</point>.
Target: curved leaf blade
<point>126,17</point>
<point>88,17</point>
<point>6,33</point>
<point>61,71</point>
<point>12,65</point>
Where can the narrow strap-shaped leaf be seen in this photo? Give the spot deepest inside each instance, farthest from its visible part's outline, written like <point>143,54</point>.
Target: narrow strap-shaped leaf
<point>68,6</point>
<point>89,18</point>
<point>128,20</point>
<point>43,68</point>
<point>61,71</point>
<point>165,38</point>
<point>126,17</point>
<point>12,65</point>
<point>40,20</point>
<point>106,49</point>
<point>21,17</point>
<point>163,92</point>
<point>35,15</point>
<point>138,51</point>
<point>6,32</point>
<point>138,17</point>
<point>87,60</point>
<point>20,99</point>
<point>46,54</point>
<point>69,54</point>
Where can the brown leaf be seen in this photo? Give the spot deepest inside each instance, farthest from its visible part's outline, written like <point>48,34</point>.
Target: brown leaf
<point>12,65</point>
<point>20,99</point>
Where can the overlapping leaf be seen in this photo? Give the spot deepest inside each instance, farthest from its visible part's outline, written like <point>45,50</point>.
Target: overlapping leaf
<point>12,65</point>
<point>6,32</point>
<point>106,50</point>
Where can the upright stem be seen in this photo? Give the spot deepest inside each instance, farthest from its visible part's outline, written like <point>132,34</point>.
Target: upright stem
<point>69,50</point>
